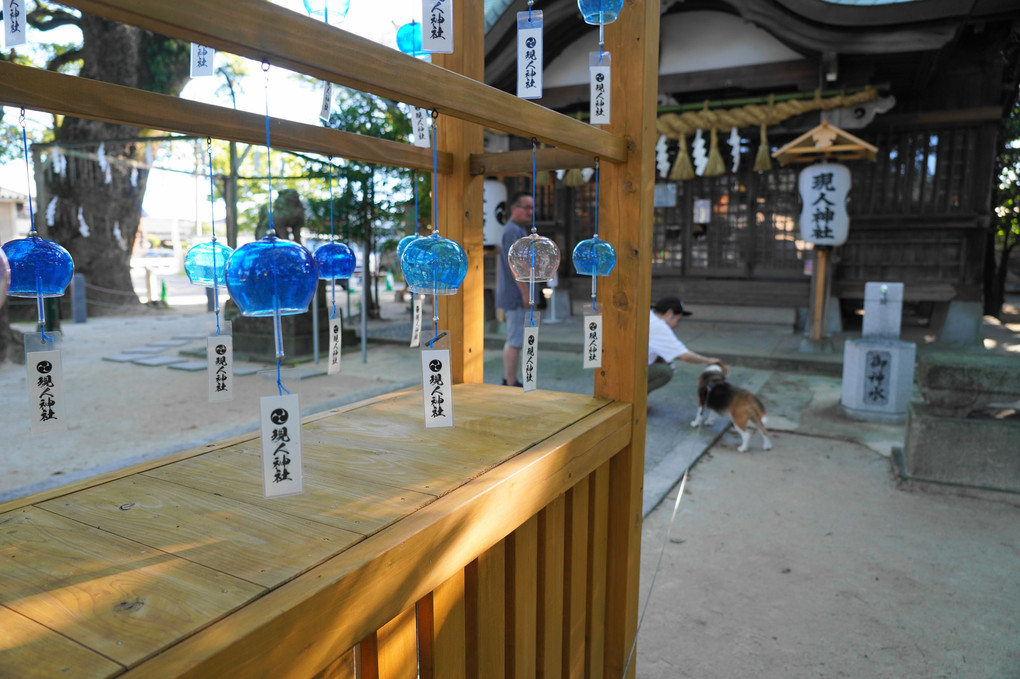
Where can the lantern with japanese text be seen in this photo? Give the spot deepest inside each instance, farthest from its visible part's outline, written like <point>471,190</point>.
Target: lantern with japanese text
<point>823,191</point>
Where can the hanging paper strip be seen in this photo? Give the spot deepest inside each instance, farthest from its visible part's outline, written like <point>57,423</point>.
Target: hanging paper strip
<point>14,23</point>
<point>529,357</point>
<point>592,337</point>
<point>280,417</point>
<point>220,357</point>
<point>599,70</point>
<point>529,54</point>
<point>437,26</point>
<point>327,101</point>
<point>201,60</point>
<point>420,127</point>
<point>416,321</point>
<point>45,383</point>
<point>335,335</point>
<point>437,382</point>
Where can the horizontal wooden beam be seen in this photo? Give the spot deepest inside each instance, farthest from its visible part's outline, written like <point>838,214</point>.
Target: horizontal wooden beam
<point>289,40</point>
<point>519,162</point>
<point>69,95</point>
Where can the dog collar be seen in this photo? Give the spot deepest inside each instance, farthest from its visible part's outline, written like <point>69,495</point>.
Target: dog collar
<point>706,390</point>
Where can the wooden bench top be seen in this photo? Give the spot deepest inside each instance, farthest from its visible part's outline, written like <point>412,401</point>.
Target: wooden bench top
<point>167,568</point>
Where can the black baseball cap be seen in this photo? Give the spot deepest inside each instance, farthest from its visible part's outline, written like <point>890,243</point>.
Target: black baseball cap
<point>670,304</point>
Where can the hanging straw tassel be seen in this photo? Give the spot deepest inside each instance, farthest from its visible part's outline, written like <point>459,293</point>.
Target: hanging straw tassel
<point>683,169</point>
<point>543,177</point>
<point>763,161</point>
<point>573,178</point>
<point>715,166</point>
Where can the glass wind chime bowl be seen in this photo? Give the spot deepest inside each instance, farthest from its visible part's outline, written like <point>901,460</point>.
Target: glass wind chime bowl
<point>594,257</point>
<point>271,276</point>
<point>335,260</point>
<point>434,265</point>
<point>404,242</point>
<point>534,258</point>
<point>334,10</point>
<point>600,11</point>
<point>206,264</point>
<point>39,267</point>
<point>409,39</point>
<point>5,277</point>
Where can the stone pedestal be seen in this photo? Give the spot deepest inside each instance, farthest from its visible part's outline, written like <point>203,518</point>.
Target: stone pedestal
<point>878,379</point>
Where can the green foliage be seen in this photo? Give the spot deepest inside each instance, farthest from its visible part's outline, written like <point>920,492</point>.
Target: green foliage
<point>1007,195</point>
<point>168,64</point>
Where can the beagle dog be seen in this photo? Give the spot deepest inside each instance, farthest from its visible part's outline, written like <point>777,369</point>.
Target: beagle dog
<point>716,396</point>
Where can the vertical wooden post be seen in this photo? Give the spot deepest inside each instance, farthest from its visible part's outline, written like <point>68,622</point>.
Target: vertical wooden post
<point>625,220</point>
<point>819,294</point>
<point>460,200</point>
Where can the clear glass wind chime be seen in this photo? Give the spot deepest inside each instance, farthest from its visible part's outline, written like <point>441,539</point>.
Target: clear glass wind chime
<point>532,259</point>
<point>41,269</point>
<point>437,266</point>
<point>593,257</point>
<point>334,261</point>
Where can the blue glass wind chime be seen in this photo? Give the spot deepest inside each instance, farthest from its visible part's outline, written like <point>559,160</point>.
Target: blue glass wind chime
<point>335,261</point>
<point>593,257</point>
<point>206,264</point>
<point>40,269</point>
<point>433,265</point>
<point>532,259</point>
<point>272,277</point>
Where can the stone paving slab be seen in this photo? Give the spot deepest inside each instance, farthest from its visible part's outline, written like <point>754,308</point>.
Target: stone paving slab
<point>143,350</point>
<point>190,366</point>
<point>157,361</point>
<point>121,358</point>
<point>169,343</point>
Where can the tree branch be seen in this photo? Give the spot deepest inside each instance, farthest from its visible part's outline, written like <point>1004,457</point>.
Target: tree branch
<point>46,18</point>
<point>67,57</point>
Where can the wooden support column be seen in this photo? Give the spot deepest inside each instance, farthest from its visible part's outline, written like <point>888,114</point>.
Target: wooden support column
<point>625,220</point>
<point>460,201</point>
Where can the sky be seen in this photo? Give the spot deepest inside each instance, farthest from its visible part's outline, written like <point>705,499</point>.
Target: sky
<point>171,194</point>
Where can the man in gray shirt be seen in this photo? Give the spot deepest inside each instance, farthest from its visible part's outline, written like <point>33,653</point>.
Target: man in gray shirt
<point>511,294</point>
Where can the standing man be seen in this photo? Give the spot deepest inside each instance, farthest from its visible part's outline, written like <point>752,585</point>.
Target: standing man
<point>511,294</point>
<point>663,345</point>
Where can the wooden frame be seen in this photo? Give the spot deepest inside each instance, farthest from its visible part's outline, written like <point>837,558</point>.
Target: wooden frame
<point>580,481</point>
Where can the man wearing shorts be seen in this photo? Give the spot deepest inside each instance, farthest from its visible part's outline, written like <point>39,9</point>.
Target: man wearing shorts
<point>512,294</point>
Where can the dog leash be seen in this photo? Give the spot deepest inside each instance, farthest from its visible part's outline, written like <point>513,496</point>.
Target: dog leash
<point>676,506</point>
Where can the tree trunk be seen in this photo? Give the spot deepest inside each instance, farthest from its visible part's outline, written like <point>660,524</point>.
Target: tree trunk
<point>98,207</point>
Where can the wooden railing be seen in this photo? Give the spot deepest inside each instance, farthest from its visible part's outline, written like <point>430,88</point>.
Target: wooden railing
<point>477,551</point>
